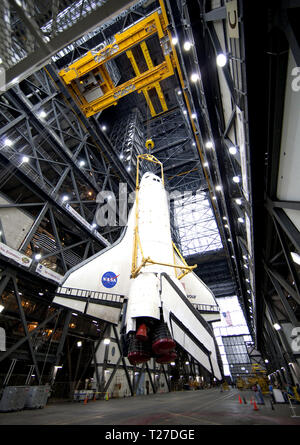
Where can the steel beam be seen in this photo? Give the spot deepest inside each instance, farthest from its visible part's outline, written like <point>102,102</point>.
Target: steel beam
<point>37,59</point>
<point>215,14</point>
<point>283,299</point>
<point>285,284</point>
<point>288,227</point>
<point>123,360</point>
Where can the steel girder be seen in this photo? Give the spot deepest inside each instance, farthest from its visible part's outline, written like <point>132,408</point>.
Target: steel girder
<point>212,124</point>
<point>275,235</point>
<point>53,148</point>
<point>45,34</point>
<point>42,129</point>
<point>30,320</point>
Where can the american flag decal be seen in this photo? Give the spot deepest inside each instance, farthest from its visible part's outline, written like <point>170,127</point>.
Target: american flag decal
<point>227,317</point>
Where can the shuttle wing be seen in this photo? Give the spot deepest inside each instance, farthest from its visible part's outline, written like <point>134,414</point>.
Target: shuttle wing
<point>104,277</point>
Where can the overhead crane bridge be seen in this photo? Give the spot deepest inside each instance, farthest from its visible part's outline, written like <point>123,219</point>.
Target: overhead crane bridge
<point>88,79</point>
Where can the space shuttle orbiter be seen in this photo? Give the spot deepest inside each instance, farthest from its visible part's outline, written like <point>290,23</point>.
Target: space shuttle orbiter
<point>144,270</point>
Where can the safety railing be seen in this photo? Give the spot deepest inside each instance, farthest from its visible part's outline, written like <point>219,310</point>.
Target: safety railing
<point>83,293</point>
<point>206,307</point>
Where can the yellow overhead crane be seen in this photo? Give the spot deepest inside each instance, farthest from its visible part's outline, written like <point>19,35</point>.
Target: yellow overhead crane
<point>88,80</point>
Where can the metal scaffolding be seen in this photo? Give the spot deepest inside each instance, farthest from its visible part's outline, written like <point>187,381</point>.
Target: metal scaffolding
<point>127,136</point>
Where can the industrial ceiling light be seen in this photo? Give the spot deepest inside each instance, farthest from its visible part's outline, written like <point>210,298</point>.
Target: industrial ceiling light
<point>82,163</point>
<point>38,256</point>
<point>174,40</point>
<point>106,341</point>
<point>79,344</point>
<point>42,114</point>
<point>236,179</point>
<point>232,150</point>
<point>266,360</point>
<point>238,201</point>
<point>25,159</point>
<point>1,307</point>
<point>65,198</point>
<point>194,115</point>
<point>8,142</point>
<point>205,164</point>
<point>296,257</point>
<point>103,127</point>
<point>194,77</point>
<point>209,144</point>
<point>221,60</point>
<point>187,45</point>
<point>218,188</point>
<point>277,326</point>
<point>241,220</point>
<point>121,156</point>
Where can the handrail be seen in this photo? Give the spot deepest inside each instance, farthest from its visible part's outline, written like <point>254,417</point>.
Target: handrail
<point>206,307</point>
<point>84,293</point>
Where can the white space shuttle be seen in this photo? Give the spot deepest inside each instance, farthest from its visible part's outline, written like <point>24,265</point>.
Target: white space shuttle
<point>145,276</point>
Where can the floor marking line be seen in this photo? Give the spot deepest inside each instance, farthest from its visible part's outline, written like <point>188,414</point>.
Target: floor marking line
<point>195,418</point>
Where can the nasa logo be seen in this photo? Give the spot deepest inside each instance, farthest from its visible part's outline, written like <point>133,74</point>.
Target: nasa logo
<point>109,279</point>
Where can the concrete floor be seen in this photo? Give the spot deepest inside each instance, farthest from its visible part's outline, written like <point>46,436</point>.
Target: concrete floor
<point>206,407</point>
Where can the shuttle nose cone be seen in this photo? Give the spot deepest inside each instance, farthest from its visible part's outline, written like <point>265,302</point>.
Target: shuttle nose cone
<point>150,178</point>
